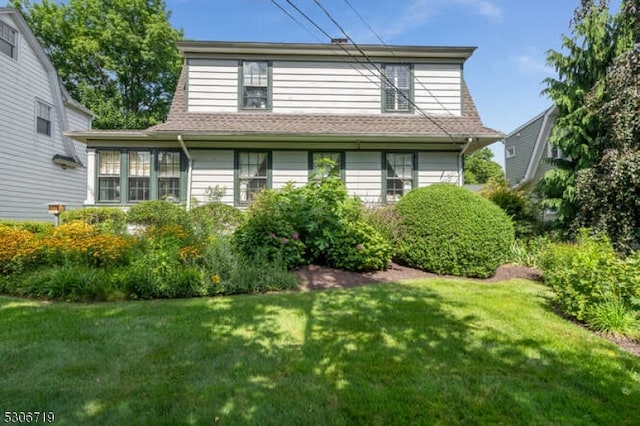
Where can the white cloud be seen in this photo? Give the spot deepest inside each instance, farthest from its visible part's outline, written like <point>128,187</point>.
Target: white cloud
<point>530,64</point>
<point>420,11</point>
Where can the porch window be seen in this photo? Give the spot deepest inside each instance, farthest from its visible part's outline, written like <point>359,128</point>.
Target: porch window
<point>169,168</point>
<point>139,175</point>
<point>400,169</point>
<point>109,176</point>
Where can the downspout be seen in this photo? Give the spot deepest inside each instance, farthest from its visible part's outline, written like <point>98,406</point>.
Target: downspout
<point>189,169</point>
<point>461,160</point>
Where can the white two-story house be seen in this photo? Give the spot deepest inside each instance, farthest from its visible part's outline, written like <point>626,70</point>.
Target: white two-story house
<point>250,116</point>
<point>38,164</point>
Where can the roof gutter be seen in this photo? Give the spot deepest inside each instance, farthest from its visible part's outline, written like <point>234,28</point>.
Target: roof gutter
<point>189,168</point>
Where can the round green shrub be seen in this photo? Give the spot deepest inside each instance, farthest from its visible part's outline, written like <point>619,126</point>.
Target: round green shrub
<point>359,247</point>
<point>447,229</point>
<point>111,219</point>
<point>215,218</point>
<point>158,213</point>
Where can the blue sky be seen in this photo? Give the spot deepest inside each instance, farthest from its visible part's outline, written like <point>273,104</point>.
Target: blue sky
<point>504,74</point>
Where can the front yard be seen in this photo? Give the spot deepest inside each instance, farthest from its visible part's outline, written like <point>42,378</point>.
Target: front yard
<point>417,352</point>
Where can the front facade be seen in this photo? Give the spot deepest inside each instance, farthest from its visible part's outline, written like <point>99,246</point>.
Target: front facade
<point>38,164</point>
<point>528,152</point>
<point>251,116</point>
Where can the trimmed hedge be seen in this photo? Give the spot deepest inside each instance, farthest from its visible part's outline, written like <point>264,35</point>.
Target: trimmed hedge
<point>447,229</point>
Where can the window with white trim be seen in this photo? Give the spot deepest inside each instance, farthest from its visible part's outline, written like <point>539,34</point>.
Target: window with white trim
<point>8,39</point>
<point>397,88</point>
<point>510,152</point>
<point>253,174</point>
<point>43,118</point>
<point>400,167</point>
<point>169,169</point>
<point>109,176</point>
<point>553,152</point>
<point>255,85</point>
<point>139,175</point>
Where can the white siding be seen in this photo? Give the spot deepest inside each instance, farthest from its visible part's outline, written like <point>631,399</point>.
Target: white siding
<point>438,88</point>
<point>325,87</point>
<point>363,175</point>
<point>289,166</point>
<point>30,180</point>
<point>438,167</point>
<point>212,85</point>
<point>212,168</point>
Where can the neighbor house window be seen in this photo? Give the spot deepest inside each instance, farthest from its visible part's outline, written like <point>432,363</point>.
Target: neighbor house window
<point>169,168</point>
<point>252,175</point>
<point>553,152</point>
<point>511,152</point>
<point>399,180</point>
<point>109,176</point>
<point>43,118</point>
<point>255,85</point>
<point>397,88</point>
<point>334,157</point>
<point>8,37</point>
<point>145,175</point>
<point>139,176</point>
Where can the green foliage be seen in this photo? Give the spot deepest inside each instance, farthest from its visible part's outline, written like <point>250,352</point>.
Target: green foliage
<point>215,218</point>
<point>37,228</point>
<point>529,252</point>
<point>359,247</point>
<point>108,219</point>
<point>516,204</point>
<point>158,213</point>
<point>587,274</point>
<point>303,225</point>
<point>118,58</point>
<point>447,229</point>
<point>612,316</point>
<point>385,220</point>
<point>479,168</point>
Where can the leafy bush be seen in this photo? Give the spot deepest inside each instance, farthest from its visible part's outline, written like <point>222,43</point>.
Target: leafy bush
<point>215,218</point>
<point>528,252</point>
<point>17,248</point>
<point>516,204</point>
<point>447,229</point>
<point>359,247</point>
<point>385,220</point>
<point>257,274</point>
<point>108,219</point>
<point>37,228</point>
<point>612,316</point>
<point>157,212</point>
<point>588,274</point>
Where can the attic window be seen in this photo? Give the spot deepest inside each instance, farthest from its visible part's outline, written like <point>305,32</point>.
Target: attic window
<point>255,85</point>
<point>8,38</point>
<point>511,152</point>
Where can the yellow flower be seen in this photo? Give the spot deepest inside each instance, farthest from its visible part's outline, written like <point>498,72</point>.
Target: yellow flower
<point>215,279</point>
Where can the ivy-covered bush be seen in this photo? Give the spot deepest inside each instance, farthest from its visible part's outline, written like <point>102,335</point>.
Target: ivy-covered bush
<point>588,274</point>
<point>447,229</point>
<point>109,219</point>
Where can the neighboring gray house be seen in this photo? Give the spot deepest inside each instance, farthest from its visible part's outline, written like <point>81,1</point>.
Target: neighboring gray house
<point>250,116</point>
<point>527,150</point>
<point>38,164</point>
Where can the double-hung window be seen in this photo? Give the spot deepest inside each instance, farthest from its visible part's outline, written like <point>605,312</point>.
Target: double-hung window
<point>139,175</point>
<point>169,169</point>
<point>253,175</point>
<point>397,88</point>
<point>43,118</point>
<point>109,176</point>
<point>400,174</point>
<point>333,167</point>
<point>8,37</point>
<point>255,85</point>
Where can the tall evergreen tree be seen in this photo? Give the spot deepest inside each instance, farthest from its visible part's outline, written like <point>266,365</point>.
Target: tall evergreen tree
<point>117,57</point>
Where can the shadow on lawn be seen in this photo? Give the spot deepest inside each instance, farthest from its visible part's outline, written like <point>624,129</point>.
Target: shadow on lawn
<point>363,356</point>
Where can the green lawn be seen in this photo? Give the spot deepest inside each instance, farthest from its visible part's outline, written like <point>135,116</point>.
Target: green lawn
<point>417,352</point>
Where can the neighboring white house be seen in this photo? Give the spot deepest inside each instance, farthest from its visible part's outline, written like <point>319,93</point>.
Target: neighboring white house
<point>528,151</point>
<point>250,116</point>
<point>38,164</point>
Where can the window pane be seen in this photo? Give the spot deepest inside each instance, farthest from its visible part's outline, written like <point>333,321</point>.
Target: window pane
<point>108,176</point>
<point>43,118</point>
<point>255,85</point>
<point>399,175</point>
<point>252,170</point>
<point>336,157</point>
<point>7,40</point>
<point>397,87</point>
<point>43,126</point>
<point>139,175</point>
<point>255,97</point>
<point>169,189</point>
<point>168,164</point>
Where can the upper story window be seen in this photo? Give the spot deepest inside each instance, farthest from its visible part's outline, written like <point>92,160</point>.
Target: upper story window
<point>553,152</point>
<point>397,88</point>
<point>510,152</point>
<point>43,118</point>
<point>255,85</point>
<point>8,37</point>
